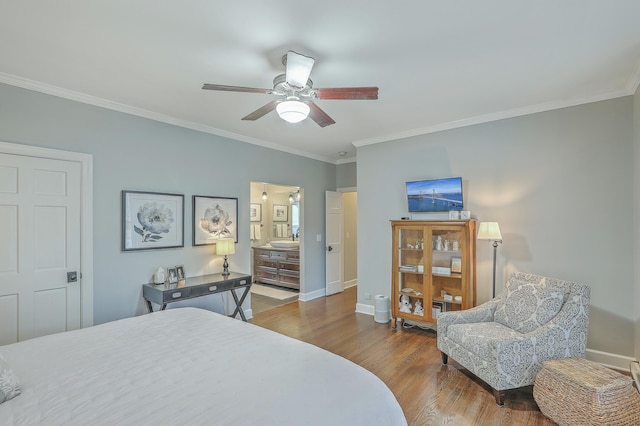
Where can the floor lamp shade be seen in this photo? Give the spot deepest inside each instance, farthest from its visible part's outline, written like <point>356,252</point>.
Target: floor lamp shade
<point>491,231</point>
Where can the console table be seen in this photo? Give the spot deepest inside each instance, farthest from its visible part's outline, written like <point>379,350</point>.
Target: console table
<point>163,294</point>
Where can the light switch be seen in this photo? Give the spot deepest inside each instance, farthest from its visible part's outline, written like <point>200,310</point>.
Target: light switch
<point>318,237</point>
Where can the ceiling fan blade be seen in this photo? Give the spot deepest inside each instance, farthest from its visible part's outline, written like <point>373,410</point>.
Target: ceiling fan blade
<point>365,93</point>
<point>236,88</point>
<point>298,69</point>
<point>319,116</point>
<point>263,110</point>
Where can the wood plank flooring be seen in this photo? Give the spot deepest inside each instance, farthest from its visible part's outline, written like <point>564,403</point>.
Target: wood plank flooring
<point>407,360</point>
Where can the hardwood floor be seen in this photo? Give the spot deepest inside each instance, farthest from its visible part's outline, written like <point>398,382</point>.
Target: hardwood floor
<point>407,360</point>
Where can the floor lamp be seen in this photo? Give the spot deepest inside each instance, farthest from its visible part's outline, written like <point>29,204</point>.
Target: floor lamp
<point>491,231</point>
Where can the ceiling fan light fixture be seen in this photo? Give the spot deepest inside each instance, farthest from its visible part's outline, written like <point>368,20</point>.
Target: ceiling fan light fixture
<point>293,111</point>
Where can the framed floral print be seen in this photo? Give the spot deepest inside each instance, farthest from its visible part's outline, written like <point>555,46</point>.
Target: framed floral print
<point>214,218</point>
<point>152,220</point>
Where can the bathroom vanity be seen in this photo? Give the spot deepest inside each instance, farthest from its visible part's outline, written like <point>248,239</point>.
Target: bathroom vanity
<point>277,266</point>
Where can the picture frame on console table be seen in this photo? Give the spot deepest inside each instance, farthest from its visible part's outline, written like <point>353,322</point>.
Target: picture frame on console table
<point>214,218</point>
<point>152,220</point>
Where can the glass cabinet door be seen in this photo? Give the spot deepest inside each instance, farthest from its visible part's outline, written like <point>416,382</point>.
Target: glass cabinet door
<point>448,271</point>
<point>411,268</point>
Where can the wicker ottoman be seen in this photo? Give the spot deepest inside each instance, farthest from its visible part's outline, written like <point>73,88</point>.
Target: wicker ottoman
<point>574,391</point>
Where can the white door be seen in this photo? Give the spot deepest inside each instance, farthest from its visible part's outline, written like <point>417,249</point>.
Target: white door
<point>40,228</point>
<point>333,224</point>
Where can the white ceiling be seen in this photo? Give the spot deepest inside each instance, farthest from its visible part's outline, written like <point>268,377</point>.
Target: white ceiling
<point>438,64</point>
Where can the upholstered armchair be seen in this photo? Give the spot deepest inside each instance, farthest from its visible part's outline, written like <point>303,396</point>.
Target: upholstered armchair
<point>505,340</point>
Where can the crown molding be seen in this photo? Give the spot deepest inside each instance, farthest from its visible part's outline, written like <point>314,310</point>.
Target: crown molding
<point>516,112</point>
<point>139,112</point>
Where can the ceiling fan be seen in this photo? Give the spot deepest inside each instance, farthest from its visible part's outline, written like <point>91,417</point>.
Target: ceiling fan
<point>295,93</point>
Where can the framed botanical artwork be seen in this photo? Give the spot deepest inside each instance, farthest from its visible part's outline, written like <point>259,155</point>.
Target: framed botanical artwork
<point>456,265</point>
<point>255,214</point>
<point>152,220</point>
<point>280,213</point>
<point>214,218</point>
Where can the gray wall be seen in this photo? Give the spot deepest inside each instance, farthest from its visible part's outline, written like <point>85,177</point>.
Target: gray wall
<point>636,215</point>
<point>346,175</point>
<point>139,154</point>
<point>559,183</point>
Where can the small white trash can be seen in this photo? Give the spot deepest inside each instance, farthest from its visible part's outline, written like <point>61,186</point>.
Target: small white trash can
<point>381,313</point>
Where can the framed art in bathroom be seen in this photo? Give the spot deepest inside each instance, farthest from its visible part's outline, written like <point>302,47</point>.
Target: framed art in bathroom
<point>152,220</point>
<point>280,213</point>
<point>214,218</point>
<point>255,213</point>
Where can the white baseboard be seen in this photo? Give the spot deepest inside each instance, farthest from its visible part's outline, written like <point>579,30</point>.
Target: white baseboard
<point>350,283</point>
<point>305,297</point>
<point>361,308</point>
<point>615,361</point>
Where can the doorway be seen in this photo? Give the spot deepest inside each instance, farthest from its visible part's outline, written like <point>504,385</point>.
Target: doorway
<point>276,250</point>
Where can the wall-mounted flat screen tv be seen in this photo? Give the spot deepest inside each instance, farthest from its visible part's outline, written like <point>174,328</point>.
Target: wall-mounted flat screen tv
<point>435,195</point>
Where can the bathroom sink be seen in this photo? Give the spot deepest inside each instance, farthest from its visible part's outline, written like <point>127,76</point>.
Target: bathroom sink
<point>286,244</point>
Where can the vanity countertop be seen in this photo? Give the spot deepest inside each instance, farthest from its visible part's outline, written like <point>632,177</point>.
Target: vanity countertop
<point>268,247</point>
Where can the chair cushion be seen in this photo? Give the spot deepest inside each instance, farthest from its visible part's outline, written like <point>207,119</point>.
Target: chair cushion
<point>525,306</point>
<point>480,338</point>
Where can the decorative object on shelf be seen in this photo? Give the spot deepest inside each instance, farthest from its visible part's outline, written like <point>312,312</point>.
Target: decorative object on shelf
<point>465,215</point>
<point>418,310</point>
<point>172,275</point>
<point>439,245</point>
<point>180,272</point>
<point>405,304</point>
<point>214,218</point>
<point>491,231</point>
<point>255,212</point>
<point>159,276</point>
<point>152,220</point>
<point>280,213</point>
<point>455,246</point>
<point>454,214</point>
<point>456,265</point>
<point>225,246</point>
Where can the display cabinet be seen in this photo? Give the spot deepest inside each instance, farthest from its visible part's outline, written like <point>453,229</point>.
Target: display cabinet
<point>433,268</point>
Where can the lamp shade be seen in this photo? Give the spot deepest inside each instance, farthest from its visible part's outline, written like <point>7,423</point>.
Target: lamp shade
<point>292,111</point>
<point>489,231</point>
<point>225,246</point>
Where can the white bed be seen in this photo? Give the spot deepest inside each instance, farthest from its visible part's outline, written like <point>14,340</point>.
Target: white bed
<point>189,366</point>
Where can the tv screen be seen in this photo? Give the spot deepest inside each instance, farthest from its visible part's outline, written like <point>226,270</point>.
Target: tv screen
<point>435,195</point>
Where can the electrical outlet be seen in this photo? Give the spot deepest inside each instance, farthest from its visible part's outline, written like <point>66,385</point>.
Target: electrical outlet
<point>367,296</point>
<point>318,237</point>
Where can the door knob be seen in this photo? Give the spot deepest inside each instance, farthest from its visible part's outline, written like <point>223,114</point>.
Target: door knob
<point>72,276</point>
<point>329,248</point>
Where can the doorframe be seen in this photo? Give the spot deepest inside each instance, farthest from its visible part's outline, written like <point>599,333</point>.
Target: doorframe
<point>86,215</point>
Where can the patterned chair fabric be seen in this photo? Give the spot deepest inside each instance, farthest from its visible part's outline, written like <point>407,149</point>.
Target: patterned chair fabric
<point>505,340</point>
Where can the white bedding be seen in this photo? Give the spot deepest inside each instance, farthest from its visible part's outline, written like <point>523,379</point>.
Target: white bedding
<point>189,367</point>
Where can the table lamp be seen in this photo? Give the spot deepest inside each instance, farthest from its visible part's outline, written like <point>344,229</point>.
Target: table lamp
<point>225,246</point>
<point>491,231</point>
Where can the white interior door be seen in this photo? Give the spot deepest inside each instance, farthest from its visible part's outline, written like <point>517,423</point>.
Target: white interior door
<point>333,238</point>
<point>40,223</point>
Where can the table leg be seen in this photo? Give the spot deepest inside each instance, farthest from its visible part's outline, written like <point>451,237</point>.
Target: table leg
<point>239,303</point>
<point>149,307</point>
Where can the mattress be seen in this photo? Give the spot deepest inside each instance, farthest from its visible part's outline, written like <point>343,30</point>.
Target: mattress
<point>189,366</point>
